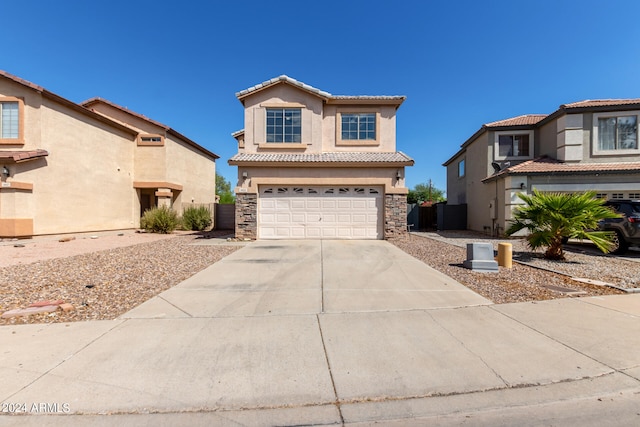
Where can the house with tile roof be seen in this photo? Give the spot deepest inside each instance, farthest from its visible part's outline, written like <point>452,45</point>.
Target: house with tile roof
<point>95,166</point>
<point>586,145</point>
<point>312,165</point>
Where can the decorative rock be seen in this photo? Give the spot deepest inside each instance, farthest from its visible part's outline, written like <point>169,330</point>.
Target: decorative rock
<point>46,303</point>
<point>18,245</point>
<point>67,307</point>
<point>29,311</point>
<point>67,239</point>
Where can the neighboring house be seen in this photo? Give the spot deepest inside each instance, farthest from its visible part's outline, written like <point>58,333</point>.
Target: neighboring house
<point>70,167</point>
<point>586,145</point>
<point>314,165</point>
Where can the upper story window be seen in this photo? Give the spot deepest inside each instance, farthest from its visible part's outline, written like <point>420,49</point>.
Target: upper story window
<point>11,114</point>
<point>361,126</point>
<point>513,145</point>
<point>461,169</point>
<point>151,140</point>
<point>617,133</point>
<point>284,125</point>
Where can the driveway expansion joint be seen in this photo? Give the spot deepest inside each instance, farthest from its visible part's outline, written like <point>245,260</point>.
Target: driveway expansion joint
<point>333,383</point>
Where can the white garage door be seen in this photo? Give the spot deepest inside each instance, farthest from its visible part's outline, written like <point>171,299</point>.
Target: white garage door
<point>320,212</point>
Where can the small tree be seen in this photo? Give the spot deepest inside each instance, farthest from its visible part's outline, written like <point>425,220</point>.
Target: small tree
<point>223,189</point>
<point>425,192</point>
<point>551,217</point>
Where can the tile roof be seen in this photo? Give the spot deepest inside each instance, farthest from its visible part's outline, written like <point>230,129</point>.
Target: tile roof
<point>527,119</point>
<point>316,158</point>
<point>23,156</point>
<point>97,100</point>
<point>283,78</point>
<point>548,165</point>
<point>601,103</point>
<point>315,91</point>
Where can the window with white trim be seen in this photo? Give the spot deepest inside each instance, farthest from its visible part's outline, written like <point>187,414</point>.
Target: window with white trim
<point>513,145</point>
<point>615,133</point>
<point>618,133</point>
<point>11,111</point>
<point>284,125</point>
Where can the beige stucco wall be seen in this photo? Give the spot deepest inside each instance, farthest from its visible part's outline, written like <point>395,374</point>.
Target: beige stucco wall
<point>191,169</point>
<point>386,131</point>
<point>284,96</point>
<point>456,185</point>
<point>86,183</point>
<point>319,122</point>
<point>310,176</point>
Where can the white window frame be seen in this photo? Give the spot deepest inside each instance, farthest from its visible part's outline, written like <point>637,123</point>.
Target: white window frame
<point>496,145</point>
<point>594,139</point>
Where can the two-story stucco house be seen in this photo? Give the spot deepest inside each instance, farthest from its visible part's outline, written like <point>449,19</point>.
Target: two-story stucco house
<point>586,145</point>
<point>318,166</point>
<point>68,168</point>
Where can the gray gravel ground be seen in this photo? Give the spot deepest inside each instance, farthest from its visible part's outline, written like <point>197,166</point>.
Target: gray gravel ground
<point>446,252</point>
<point>105,284</point>
<point>108,283</point>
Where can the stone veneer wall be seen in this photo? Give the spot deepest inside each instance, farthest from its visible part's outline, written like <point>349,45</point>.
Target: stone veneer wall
<point>395,215</point>
<point>246,216</point>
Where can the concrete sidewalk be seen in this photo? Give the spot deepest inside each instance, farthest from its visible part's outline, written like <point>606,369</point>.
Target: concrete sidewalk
<point>329,333</point>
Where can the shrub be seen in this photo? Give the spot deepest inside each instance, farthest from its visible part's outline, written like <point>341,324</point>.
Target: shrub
<point>196,218</point>
<point>160,220</point>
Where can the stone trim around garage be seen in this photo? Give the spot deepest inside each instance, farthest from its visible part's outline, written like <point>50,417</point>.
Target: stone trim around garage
<point>395,215</point>
<point>246,216</point>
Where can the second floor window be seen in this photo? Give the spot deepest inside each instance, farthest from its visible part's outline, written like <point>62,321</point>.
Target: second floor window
<point>360,126</point>
<point>618,133</point>
<point>9,123</point>
<point>513,145</point>
<point>284,125</point>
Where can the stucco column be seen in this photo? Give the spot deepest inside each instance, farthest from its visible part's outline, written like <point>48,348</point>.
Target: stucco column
<point>165,196</point>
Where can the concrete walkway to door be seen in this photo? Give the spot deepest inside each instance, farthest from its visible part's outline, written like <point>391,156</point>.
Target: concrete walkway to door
<point>329,333</point>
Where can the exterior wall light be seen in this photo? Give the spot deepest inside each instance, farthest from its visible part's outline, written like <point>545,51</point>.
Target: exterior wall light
<point>5,171</point>
<point>245,175</point>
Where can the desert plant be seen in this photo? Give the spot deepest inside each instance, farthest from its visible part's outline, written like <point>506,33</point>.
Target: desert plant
<point>162,220</point>
<point>196,218</point>
<point>551,217</point>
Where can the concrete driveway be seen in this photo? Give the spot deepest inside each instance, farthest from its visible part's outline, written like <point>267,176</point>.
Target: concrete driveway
<point>329,333</point>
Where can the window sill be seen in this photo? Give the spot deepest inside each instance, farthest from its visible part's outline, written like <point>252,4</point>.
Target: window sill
<point>11,141</point>
<point>613,153</point>
<point>343,143</point>
<point>284,145</point>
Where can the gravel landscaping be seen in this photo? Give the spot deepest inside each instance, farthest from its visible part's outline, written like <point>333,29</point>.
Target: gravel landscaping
<point>103,284</point>
<point>446,251</point>
<point>106,283</point>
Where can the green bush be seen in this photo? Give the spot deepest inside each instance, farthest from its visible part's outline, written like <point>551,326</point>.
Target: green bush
<point>196,218</point>
<point>162,220</point>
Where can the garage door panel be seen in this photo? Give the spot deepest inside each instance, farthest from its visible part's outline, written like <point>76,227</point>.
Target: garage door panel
<point>320,213</point>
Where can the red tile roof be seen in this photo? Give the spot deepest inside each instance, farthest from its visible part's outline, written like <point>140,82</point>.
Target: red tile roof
<point>23,156</point>
<point>524,120</point>
<point>546,165</point>
<point>601,103</point>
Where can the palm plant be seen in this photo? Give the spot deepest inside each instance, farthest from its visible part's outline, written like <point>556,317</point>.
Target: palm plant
<point>551,217</point>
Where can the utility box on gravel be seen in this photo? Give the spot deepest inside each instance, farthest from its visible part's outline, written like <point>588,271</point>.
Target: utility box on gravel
<point>480,258</point>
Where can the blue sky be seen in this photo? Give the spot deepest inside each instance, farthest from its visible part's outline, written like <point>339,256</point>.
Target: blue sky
<point>460,63</point>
